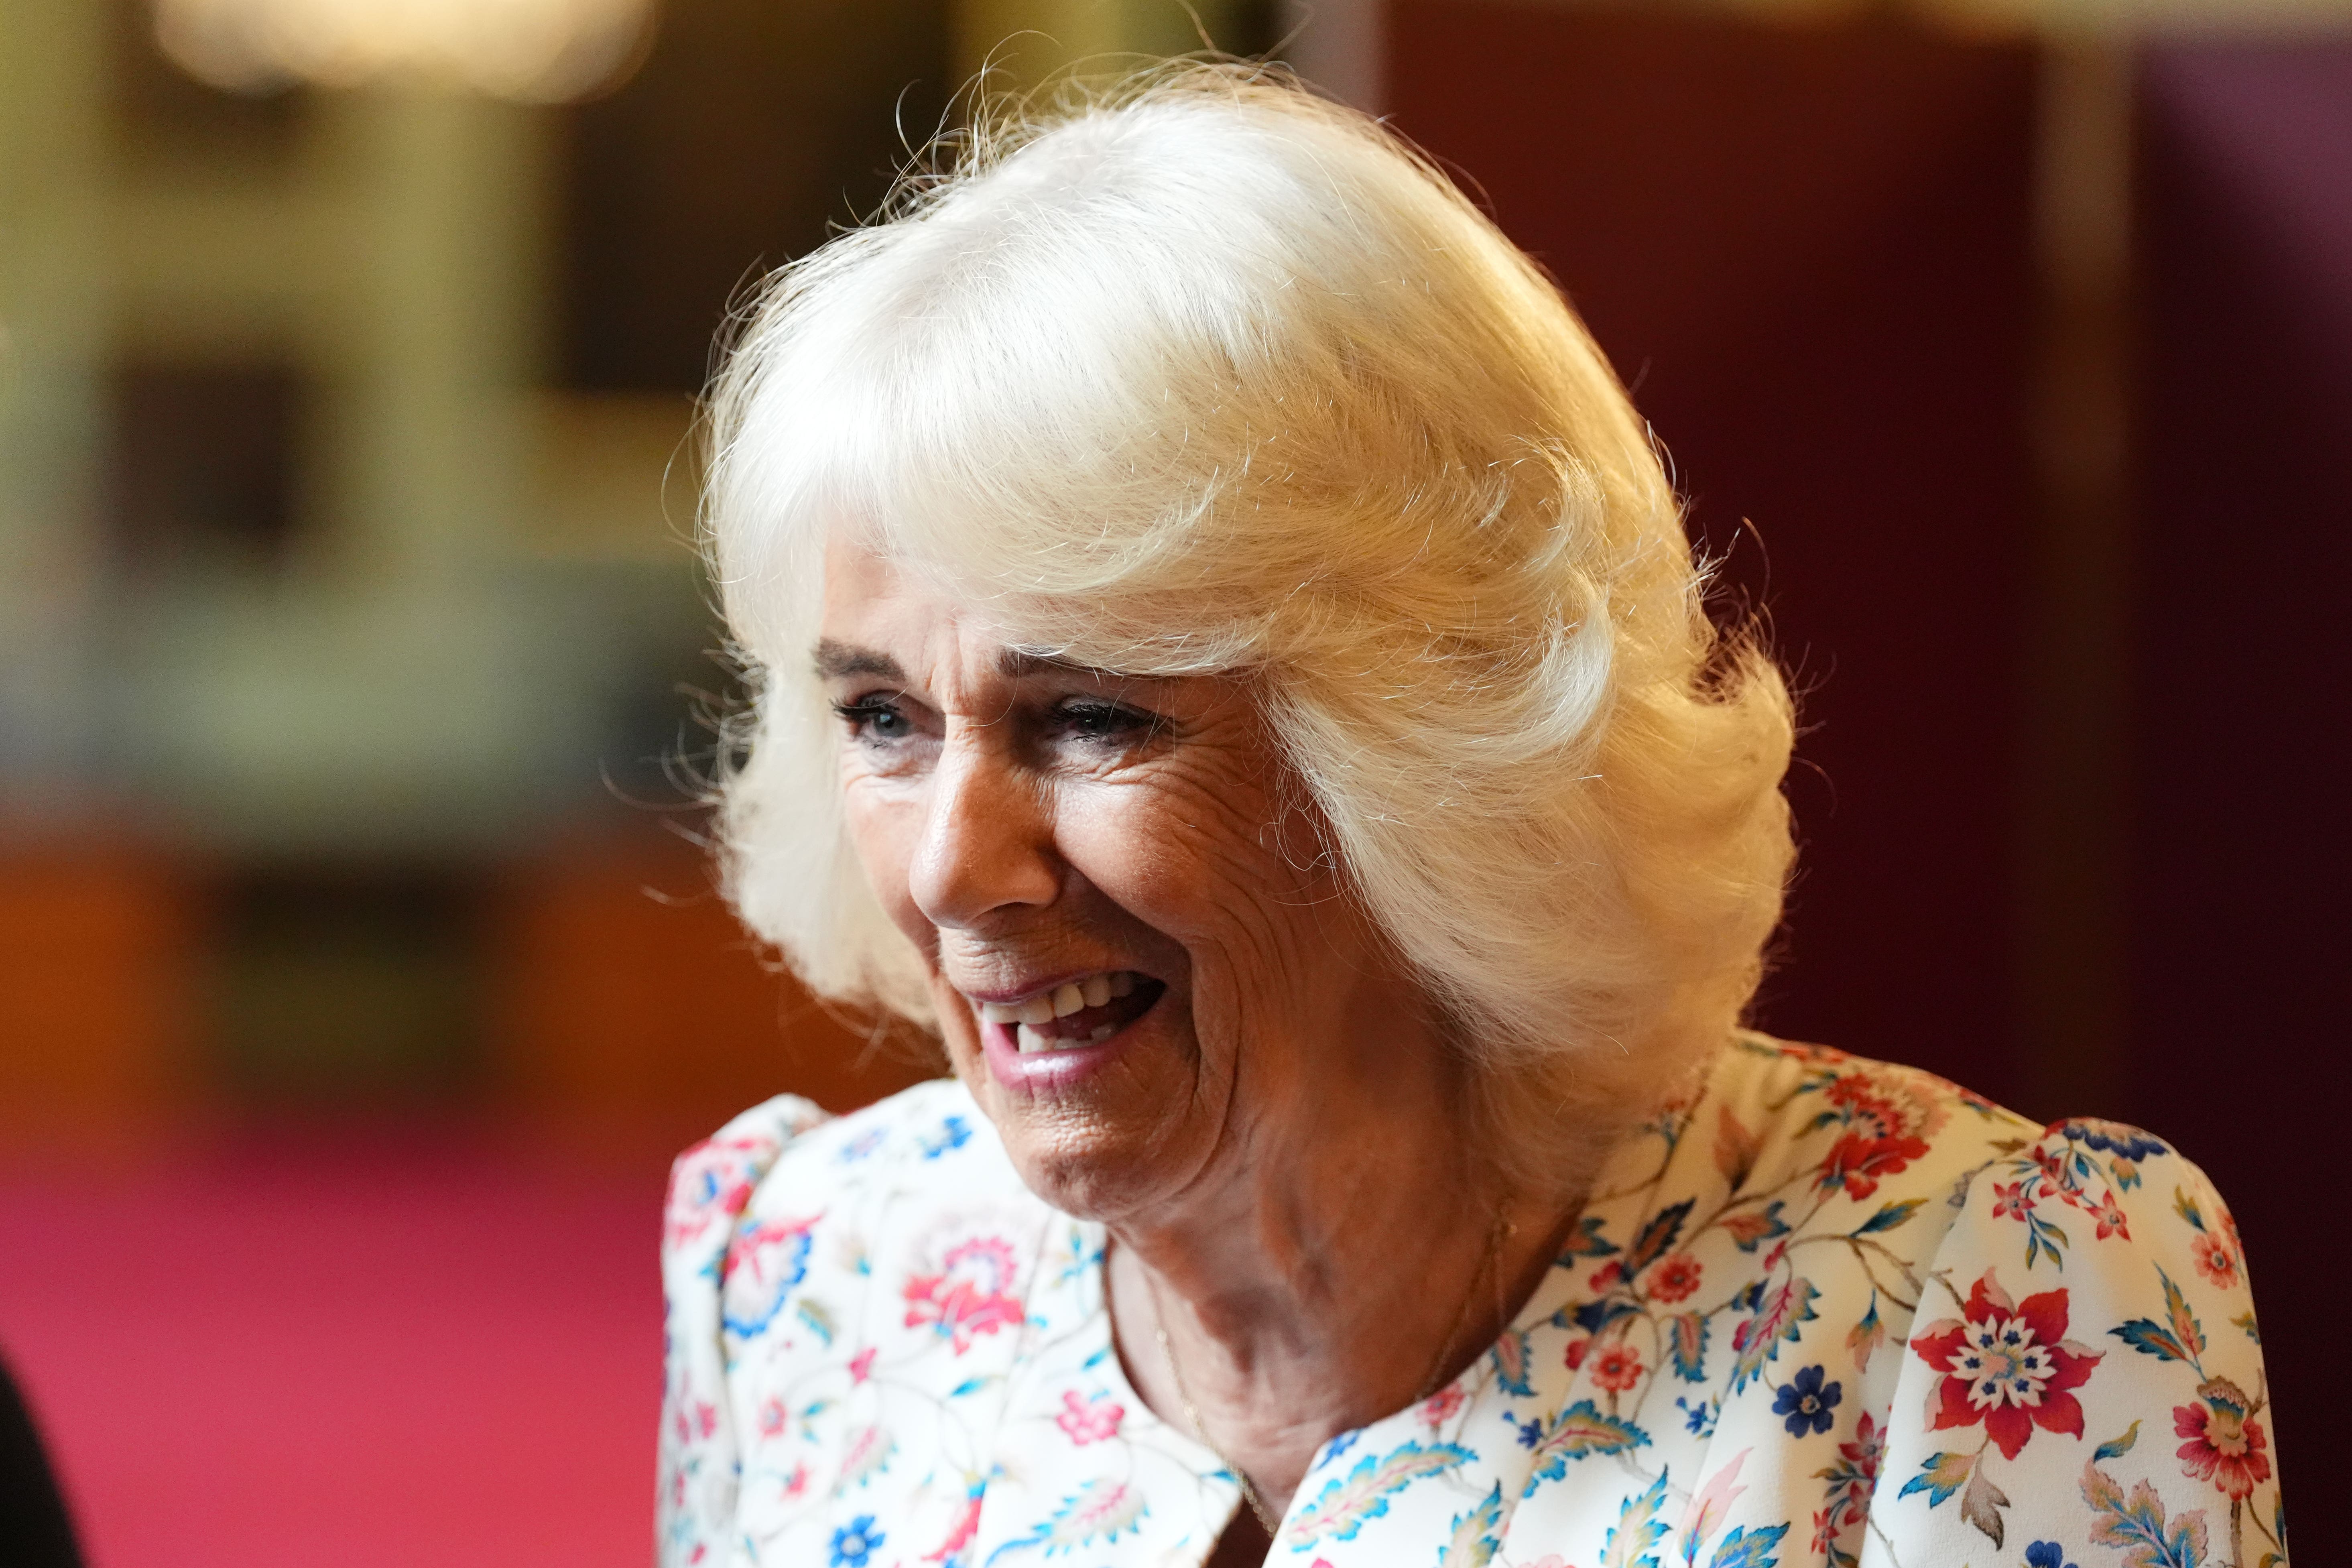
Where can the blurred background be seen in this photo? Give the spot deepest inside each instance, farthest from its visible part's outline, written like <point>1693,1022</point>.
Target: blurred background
<point>358,964</point>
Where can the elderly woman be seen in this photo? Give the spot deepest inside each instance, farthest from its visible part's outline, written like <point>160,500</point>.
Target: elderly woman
<point>1229,664</point>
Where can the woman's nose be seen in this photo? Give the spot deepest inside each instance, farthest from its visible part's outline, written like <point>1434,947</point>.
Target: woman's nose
<point>987,843</point>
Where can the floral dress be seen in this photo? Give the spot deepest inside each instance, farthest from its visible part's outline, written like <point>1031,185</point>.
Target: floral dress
<point>1827,1311</point>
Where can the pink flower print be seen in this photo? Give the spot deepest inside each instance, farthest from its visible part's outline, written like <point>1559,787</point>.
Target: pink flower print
<point>1443,1405</point>
<point>764,1260</point>
<point>1094,1420</point>
<point>861,1365</point>
<point>711,1181</point>
<point>771,1419</point>
<point>2214,1261</point>
<point>967,1525</point>
<point>971,1296</point>
<point>2225,1446</point>
<point>2111,1217</point>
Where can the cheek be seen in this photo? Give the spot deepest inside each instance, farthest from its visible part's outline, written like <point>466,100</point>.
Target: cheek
<point>1195,864</point>
<point>884,832</point>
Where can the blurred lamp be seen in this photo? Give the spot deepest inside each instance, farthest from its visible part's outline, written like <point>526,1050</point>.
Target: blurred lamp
<point>533,51</point>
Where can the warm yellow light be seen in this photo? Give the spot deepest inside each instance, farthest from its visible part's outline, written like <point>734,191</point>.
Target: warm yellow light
<point>535,51</point>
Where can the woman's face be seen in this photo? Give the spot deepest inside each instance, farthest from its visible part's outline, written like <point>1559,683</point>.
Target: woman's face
<point>1141,970</point>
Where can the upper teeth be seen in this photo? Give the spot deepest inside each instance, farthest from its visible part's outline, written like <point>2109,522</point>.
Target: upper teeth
<point>1093,991</point>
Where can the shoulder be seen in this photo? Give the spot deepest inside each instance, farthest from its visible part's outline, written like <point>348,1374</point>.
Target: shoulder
<point>1852,1126</point>
<point>791,1146</point>
<point>2086,1349</point>
<point>778,1231</point>
<point>2075,1335</point>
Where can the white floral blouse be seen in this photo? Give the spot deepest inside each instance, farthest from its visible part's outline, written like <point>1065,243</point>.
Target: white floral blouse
<point>1830,1312</point>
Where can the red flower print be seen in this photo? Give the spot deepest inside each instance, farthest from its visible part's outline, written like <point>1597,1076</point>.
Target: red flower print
<point>1857,1162</point>
<point>2110,1215</point>
<point>1604,1278</point>
<point>1884,1124</point>
<point>2012,1202</point>
<point>971,1296</point>
<point>1091,1420</point>
<point>1441,1407</point>
<point>1576,1349</point>
<point>1617,1368</point>
<point>1673,1278</point>
<point>2224,1446</point>
<point>2215,1261</point>
<point>2009,1367</point>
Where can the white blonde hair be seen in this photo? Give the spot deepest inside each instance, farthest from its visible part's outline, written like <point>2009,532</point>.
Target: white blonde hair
<point>1202,374</point>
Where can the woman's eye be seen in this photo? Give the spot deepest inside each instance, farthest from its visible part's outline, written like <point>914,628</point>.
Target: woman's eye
<point>1102,720</point>
<point>875,718</point>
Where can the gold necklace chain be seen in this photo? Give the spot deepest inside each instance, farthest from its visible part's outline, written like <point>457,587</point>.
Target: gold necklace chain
<point>1266,1516</point>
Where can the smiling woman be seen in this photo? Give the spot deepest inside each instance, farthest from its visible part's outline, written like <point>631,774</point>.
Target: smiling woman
<point>1229,664</point>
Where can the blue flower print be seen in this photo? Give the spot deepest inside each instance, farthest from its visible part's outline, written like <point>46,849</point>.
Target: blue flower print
<point>1530,1433</point>
<point>2046,1554</point>
<point>954,1133</point>
<point>1335,1448</point>
<point>853,1541</point>
<point>1807,1404</point>
<point>2114,1138</point>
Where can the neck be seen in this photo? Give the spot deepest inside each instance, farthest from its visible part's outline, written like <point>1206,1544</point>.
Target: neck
<point>1312,1284</point>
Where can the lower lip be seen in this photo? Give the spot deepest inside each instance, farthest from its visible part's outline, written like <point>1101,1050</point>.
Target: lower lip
<point>1048,1072</point>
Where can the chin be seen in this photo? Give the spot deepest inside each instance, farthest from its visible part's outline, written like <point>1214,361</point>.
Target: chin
<point>1089,1171</point>
<point>1109,1142</point>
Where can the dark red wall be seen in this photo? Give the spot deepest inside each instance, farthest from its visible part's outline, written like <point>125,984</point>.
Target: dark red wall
<point>2242,858</point>
<point>1807,251</point>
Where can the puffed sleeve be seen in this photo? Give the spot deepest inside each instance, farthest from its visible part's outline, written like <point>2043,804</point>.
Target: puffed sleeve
<point>710,1186</point>
<point>2083,1378</point>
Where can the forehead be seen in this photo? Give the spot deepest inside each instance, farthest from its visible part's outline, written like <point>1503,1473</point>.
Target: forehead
<point>880,621</point>
<point>883,621</point>
<point>875,613</point>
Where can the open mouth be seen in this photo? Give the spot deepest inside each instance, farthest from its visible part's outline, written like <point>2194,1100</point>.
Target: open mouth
<point>1083,1012</point>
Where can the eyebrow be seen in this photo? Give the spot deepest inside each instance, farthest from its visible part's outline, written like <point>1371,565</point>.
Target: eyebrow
<point>1014,663</point>
<point>837,661</point>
